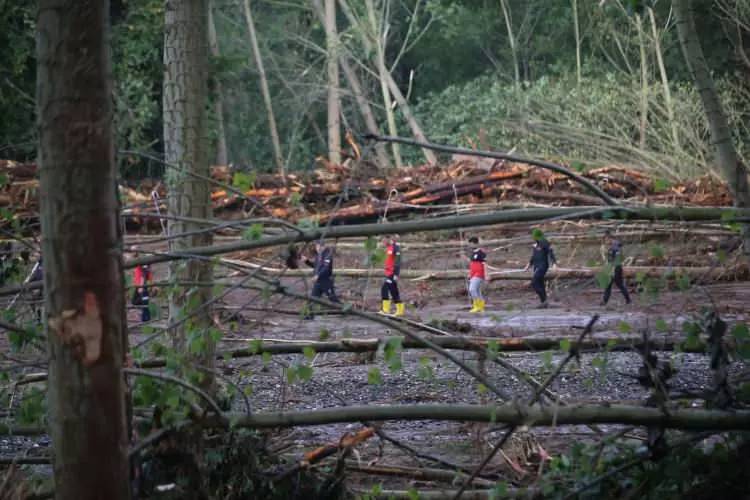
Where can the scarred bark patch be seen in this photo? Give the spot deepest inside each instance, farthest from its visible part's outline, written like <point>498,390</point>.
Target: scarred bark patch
<point>80,330</point>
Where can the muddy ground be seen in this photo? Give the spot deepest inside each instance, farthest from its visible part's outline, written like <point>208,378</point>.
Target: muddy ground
<point>342,379</point>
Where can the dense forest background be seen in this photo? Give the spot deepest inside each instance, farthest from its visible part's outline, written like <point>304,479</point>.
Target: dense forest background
<point>582,81</point>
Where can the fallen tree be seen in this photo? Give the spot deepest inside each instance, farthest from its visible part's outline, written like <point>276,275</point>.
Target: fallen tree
<point>511,413</point>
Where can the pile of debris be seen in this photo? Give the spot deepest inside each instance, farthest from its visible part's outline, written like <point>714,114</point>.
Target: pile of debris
<point>357,192</point>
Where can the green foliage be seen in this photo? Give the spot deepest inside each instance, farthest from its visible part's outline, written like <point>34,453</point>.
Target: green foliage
<point>424,372</point>
<point>254,232</point>
<point>392,353</point>
<point>33,407</point>
<point>374,377</point>
<point>243,181</point>
<point>604,276</point>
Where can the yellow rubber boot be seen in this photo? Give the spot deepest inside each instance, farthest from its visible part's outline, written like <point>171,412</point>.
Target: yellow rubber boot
<point>474,306</point>
<point>386,307</point>
<point>400,309</point>
<point>480,305</point>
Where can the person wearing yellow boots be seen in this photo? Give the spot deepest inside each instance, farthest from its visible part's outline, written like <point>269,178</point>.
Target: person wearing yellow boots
<point>477,275</point>
<point>392,267</point>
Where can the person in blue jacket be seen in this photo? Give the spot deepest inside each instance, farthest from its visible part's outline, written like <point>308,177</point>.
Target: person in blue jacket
<point>322,274</point>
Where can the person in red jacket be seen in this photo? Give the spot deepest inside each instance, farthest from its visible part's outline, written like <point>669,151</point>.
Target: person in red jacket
<point>392,268</point>
<point>477,275</point>
<point>141,278</point>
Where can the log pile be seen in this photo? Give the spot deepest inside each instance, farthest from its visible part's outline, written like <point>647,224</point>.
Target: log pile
<point>360,192</point>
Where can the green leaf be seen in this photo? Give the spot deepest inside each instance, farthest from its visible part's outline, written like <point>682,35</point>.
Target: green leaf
<point>656,251</point>
<point>256,345</point>
<point>266,357</point>
<point>291,374</point>
<point>243,181</point>
<point>660,185</point>
<point>3,179</point>
<point>252,233</point>
<point>304,372</point>
<point>215,334</point>
<point>547,359</point>
<point>392,353</point>
<point>374,376</point>
<point>412,493</point>
<point>661,325</point>
<point>481,389</point>
<point>604,276</point>
<point>537,234</point>
<point>371,244</point>
<point>578,166</point>
<point>740,331</point>
<point>565,345</point>
<point>309,352</point>
<point>624,327</point>
<point>324,334</point>
<point>493,348</point>
<point>683,282</point>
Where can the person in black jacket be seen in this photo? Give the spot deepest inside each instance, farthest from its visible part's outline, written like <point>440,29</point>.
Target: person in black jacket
<point>323,272</point>
<point>614,259</point>
<point>541,257</point>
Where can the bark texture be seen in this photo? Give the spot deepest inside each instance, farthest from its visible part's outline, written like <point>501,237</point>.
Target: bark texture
<point>81,246</point>
<point>222,154</point>
<point>334,102</point>
<point>735,173</point>
<point>185,145</point>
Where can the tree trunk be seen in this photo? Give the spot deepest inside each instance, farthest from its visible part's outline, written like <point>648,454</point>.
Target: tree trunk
<point>512,42</point>
<point>222,156</point>
<point>364,108</point>
<point>665,82</point>
<point>735,173</point>
<point>642,129</point>
<point>83,265</point>
<point>278,158</point>
<point>334,101</point>
<point>185,141</point>
<point>382,73</point>
<point>577,33</point>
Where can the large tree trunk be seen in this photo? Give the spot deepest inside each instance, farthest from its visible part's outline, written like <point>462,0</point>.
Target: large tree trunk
<point>387,83</point>
<point>382,72</point>
<point>185,145</point>
<point>735,173</point>
<point>356,87</point>
<point>334,102</point>
<point>222,156</point>
<point>277,156</point>
<point>83,267</point>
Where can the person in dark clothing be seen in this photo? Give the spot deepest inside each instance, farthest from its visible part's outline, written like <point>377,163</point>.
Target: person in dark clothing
<point>392,267</point>
<point>541,258</point>
<point>614,258</point>
<point>323,270</point>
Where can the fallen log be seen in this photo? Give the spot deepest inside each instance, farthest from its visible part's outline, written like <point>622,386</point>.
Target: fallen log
<point>514,413</point>
<point>460,343</point>
<point>421,474</point>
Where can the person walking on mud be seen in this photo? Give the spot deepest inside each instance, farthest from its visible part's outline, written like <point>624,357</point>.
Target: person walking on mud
<point>613,249</point>
<point>477,275</point>
<point>542,256</point>
<point>323,271</point>
<point>392,267</point>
